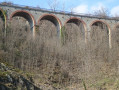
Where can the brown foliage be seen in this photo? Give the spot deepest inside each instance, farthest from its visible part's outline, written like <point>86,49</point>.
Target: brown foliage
<point>76,59</point>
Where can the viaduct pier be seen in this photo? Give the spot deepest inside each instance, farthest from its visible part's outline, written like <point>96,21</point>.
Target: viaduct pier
<point>34,15</point>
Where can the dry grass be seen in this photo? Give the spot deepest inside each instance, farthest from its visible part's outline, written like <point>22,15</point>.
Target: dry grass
<point>76,59</point>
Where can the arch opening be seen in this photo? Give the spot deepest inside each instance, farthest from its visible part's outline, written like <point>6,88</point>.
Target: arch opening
<point>3,18</point>
<point>99,31</point>
<point>74,30</point>
<point>75,21</point>
<point>50,18</point>
<point>50,22</point>
<point>26,16</point>
<point>2,24</point>
<point>100,39</point>
<point>2,15</point>
<point>100,25</point>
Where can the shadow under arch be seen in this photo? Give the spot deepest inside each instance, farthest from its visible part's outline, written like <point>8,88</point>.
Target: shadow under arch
<point>3,16</point>
<point>50,17</point>
<point>80,23</point>
<point>76,21</point>
<point>103,25</point>
<point>27,16</point>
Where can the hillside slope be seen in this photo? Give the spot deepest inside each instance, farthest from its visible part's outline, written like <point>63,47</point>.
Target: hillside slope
<point>14,79</point>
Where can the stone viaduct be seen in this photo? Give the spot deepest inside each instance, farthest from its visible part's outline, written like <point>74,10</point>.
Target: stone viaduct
<point>59,19</point>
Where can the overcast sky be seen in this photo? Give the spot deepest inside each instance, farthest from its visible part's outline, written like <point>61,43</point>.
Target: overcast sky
<point>78,6</point>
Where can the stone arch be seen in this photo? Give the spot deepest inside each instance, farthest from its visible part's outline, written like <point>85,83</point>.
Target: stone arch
<point>76,21</point>
<point>97,22</point>
<point>80,28</point>
<point>25,14</point>
<point>3,16</point>
<point>103,25</point>
<point>50,17</point>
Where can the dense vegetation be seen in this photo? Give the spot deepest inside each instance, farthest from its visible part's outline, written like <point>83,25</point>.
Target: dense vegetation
<point>62,62</point>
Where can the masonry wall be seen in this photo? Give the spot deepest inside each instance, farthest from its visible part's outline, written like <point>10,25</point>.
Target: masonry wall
<point>61,18</point>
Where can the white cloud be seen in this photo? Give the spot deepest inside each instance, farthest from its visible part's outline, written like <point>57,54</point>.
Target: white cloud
<point>115,11</point>
<point>99,6</point>
<point>86,9</point>
<point>81,9</point>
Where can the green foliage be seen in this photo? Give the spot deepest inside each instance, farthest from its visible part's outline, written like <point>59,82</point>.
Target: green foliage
<point>18,53</point>
<point>36,28</point>
<point>109,82</point>
<point>84,84</point>
<point>5,12</point>
<point>30,76</point>
<point>17,70</point>
<point>3,15</point>
<point>3,73</point>
<point>117,83</point>
<point>62,33</point>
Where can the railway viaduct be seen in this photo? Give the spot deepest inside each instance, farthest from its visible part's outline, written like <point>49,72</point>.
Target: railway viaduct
<point>35,15</point>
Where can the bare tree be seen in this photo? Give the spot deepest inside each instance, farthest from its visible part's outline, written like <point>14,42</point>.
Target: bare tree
<point>53,4</point>
<point>63,7</point>
<point>103,12</point>
<point>56,64</point>
<point>116,16</point>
